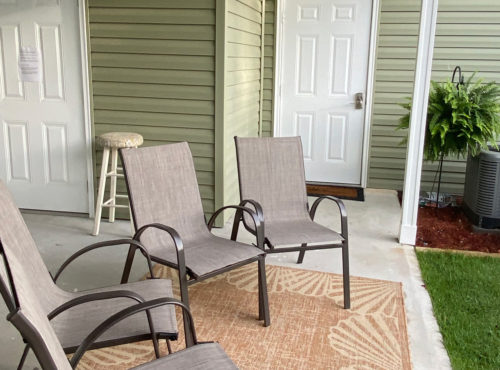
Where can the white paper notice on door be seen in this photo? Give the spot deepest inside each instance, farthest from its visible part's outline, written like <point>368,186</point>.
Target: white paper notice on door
<point>30,64</point>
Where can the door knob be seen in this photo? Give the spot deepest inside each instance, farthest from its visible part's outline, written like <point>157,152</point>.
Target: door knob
<point>358,100</point>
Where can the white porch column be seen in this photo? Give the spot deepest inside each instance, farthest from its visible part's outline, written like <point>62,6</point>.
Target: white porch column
<point>414,157</point>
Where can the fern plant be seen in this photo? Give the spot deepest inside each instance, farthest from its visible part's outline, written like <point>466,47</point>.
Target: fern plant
<point>461,118</point>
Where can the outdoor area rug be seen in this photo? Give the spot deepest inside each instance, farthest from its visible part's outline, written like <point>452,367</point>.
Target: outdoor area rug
<point>309,327</point>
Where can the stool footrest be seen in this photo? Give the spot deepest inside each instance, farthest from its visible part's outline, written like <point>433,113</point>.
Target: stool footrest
<point>114,206</point>
<point>109,201</point>
<point>113,174</point>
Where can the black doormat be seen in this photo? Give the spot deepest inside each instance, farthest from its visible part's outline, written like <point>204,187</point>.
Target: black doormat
<point>342,192</point>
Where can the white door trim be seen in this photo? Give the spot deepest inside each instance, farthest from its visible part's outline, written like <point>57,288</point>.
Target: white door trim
<point>278,78</point>
<point>82,18</point>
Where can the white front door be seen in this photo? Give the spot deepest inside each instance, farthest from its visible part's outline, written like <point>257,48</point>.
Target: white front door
<point>43,158</point>
<point>324,65</point>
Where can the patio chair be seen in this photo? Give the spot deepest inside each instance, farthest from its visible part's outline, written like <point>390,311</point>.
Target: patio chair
<point>20,293</point>
<point>74,314</point>
<point>272,182</point>
<point>170,222</point>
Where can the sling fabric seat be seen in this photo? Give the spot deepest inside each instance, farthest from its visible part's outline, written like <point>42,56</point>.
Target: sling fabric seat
<point>75,324</point>
<point>26,313</point>
<point>272,182</point>
<point>292,232</point>
<point>203,255</point>
<point>200,357</point>
<point>170,222</point>
<point>72,325</point>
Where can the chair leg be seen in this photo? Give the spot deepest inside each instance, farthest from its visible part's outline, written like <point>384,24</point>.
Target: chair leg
<point>261,306</point>
<point>23,357</point>
<point>112,188</point>
<point>345,270</point>
<point>302,253</point>
<point>100,193</point>
<point>188,335</point>
<point>263,299</point>
<point>128,264</point>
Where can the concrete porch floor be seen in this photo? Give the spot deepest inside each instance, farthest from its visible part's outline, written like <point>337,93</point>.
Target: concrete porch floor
<point>374,253</point>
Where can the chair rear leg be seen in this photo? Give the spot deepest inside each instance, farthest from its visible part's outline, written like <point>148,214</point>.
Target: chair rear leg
<point>23,357</point>
<point>128,264</point>
<point>263,299</point>
<point>183,284</point>
<point>345,269</point>
<point>302,253</point>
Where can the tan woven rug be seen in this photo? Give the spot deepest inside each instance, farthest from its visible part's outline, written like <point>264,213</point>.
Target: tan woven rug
<point>309,328</point>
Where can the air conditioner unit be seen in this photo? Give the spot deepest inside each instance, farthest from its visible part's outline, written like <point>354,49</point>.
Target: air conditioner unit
<point>482,189</point>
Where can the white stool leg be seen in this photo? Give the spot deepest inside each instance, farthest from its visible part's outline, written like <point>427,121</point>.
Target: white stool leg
<point>112,191</point>
<point>100,193</point>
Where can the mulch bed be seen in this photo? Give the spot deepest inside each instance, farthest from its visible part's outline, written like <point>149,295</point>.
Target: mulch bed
<point>449,228</point>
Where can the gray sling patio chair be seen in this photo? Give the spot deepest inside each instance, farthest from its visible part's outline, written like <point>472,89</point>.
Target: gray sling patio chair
<point>26,313</point>
<point>272,182</point>
<point>170,222</point>
<point>74,314</point>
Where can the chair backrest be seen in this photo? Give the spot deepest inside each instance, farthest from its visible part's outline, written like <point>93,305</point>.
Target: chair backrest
<point>271,172</point>
<point>163,188</point>
<point>27,314</point>
<point>20,246</point>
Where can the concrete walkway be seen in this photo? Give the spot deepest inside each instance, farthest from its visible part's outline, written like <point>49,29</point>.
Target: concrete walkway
<point>374,253</point>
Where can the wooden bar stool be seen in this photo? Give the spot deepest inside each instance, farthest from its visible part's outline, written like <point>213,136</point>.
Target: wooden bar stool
<point>111,142</point>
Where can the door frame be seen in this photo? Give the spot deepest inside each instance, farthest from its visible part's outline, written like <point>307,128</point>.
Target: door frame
<point>278,79</point>
<point>87,112</point>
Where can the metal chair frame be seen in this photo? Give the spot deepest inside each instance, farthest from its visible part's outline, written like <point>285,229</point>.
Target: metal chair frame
<point>35,341</point>
<point>187,278</point>
<point>13,303</point>
<point>344,245</point>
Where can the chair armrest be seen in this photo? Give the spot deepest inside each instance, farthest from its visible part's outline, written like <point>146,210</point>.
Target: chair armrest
<point>258,222</point>
<point>179,246</point>
<point>95,297</point>
<point>256,205</point>
<point>342,209</point>
<point>123,314</point>
<point>106,244</point>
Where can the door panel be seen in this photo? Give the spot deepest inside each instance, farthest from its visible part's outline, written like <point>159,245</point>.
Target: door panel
<point>49,41</point>
<point>43,158</point>
<point>325,63</point>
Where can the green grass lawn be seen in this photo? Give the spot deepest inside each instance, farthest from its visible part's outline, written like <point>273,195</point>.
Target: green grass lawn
<point>465,294</point>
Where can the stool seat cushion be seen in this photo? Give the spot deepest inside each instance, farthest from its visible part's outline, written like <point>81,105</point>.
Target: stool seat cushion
<point>119,140</point>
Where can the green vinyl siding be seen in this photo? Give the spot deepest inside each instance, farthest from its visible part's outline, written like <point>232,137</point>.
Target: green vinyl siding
<point>153,72</point>
<point>467,34</point>
<point>243,38</point>
<point>269,53</point>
